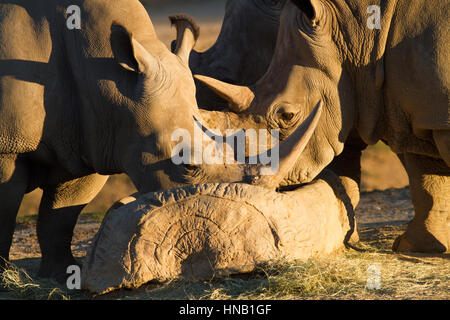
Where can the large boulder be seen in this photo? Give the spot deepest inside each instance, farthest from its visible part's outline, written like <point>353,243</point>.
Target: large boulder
<point>215,229</point>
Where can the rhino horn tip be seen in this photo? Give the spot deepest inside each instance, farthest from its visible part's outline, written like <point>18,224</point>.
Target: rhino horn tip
<point>238,97</point>
<point>182,17</point>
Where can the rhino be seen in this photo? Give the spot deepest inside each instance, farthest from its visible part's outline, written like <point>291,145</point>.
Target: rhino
<point>242,56</point>
<point>80,100</point>
<point>379,79</point>
<point>249,33</point>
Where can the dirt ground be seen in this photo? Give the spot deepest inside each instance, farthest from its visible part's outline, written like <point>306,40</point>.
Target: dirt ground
<point>384,209</point>
<point>381,217</point>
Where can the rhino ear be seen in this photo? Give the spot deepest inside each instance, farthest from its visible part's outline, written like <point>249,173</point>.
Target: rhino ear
<point>311,8</point>
<point>128,52</point>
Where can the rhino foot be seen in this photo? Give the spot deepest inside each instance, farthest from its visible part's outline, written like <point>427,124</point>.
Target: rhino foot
<point>419,241</point>
<point>57,270</point>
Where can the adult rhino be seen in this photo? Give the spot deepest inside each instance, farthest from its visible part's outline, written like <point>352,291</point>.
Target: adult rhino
<point>389,84</point>
<point>243,51</point>
<point>242,55</point>
<point>102,99</point>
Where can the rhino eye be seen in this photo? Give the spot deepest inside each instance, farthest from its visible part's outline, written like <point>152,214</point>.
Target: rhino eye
<point>285,114</point>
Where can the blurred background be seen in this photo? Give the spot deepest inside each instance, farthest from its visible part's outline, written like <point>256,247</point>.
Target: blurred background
<point>380,167</point>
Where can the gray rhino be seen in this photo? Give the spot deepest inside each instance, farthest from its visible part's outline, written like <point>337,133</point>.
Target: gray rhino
<point>87,88</point>
<point>241,55</point>
<point>243,50</point>
<point>387,79</point>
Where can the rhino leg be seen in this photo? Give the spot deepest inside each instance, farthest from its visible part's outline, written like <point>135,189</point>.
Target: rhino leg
<point>13,185</point>
<point>348,167</point>
<point>58,214</point>
<point>430,190</point>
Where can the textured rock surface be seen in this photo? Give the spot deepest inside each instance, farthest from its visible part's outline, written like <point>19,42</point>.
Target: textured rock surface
<point>212,229</point>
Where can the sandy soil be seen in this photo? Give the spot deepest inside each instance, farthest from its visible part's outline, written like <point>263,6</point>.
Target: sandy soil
<point>381,217</point>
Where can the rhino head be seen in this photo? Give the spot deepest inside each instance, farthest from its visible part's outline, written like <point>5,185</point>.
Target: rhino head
<point>237,57</point>
<point>162,101</point>
<point>308,66</point>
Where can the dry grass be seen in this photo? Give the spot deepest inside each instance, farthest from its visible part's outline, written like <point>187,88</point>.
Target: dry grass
<point>339,278</point>
<point>17,284</point>
<point>343,276</point>
<point>381,169</point>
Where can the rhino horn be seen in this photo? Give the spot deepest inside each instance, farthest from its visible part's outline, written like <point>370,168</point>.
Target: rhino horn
<point>187,35</point>
<point>291,149</point>
<point>238,97</point>
<point>215,137</point>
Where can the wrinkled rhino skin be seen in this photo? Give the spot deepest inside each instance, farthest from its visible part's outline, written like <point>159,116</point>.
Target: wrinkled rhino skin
<point>241,56</point>
<point>389,84</point>
<point>200,231</point>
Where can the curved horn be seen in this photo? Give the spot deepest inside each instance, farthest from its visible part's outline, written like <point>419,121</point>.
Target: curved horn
<point>217,137</point>
<point>188,32</point>
<point>291,149</point>
<point>238,97</point>
<point>286,156</point>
